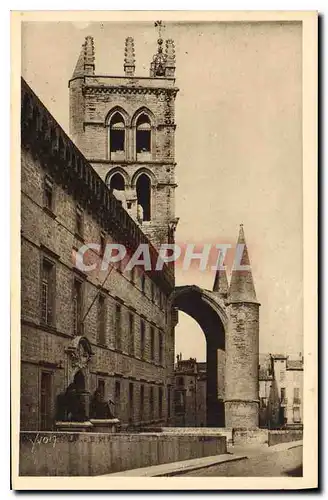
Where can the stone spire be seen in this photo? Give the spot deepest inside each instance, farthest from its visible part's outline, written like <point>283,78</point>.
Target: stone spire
<point>86,62</point>
<point>241,284</point>
<point>169,58</point>
<point>221,282</point>
<point>129,57</point>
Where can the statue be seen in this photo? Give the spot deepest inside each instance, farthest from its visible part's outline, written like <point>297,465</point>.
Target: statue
<point>70,405</point>
<point>99,408</point>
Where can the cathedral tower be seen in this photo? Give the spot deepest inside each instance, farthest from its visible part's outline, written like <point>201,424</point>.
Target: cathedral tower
<point>125,127</point>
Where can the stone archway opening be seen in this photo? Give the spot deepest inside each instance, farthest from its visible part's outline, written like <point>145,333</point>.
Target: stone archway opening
<point>204,308</point>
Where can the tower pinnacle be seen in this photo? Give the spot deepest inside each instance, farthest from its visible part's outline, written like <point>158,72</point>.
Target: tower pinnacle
<point>241,284</point>
<point>129,57</point>
<point>86,62</point>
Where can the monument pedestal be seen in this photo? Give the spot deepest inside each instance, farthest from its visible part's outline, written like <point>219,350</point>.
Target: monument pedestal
<point>74,426</point>
<point>105,424</point>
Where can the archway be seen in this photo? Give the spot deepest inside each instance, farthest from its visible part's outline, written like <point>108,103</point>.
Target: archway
<point>204,307</point>
<point>143,186</point>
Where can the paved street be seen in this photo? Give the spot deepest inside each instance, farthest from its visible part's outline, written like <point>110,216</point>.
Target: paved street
<point>261,462</point>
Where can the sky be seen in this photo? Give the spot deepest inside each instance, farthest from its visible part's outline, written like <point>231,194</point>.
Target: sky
<point>238,145</point>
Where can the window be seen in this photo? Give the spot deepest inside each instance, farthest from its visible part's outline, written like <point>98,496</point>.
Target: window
<point>143,134</point>
<point>143,283</point>
<point>117,182</point>
<point>160,348</point>
<point>152,343</point>
<point>131,334</point>
<point>77,307</point>
<point>282,394</point>
<point>296,415</point>
<point>117,134</point>
<point>282,375</point>
<point>101,388</point>
<point>45,401</point>
<point>131,402</point>
<point>160,402</point>
<point>118,323</point>
<point>79,221</point>
<point>168,401</point>
<point>142,339</point>
<point>48,194</point>
<point>297,399</point>
<point>47,292</point>
<point>101,320</point>
<point>117,398</point>
<point>143,186</point>
<point>151,403</point>
<point>142,401</point>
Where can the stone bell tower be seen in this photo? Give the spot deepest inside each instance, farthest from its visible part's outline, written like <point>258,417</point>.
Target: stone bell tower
<point>125,126</point>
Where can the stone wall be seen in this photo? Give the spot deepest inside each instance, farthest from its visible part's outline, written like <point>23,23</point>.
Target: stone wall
<point>284,436</point>
<point>90,454</point>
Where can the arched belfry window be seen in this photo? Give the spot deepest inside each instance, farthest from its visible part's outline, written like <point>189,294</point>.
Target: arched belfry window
<point>117,134</point>
<point>117,182</point>
<point>144,197</point>
<point>143,134</point>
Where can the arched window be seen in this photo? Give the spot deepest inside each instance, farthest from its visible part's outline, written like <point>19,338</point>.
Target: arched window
<point>143,134</point>
<point>117,182</point>
<point>117,134</point>
<point>144,196</point>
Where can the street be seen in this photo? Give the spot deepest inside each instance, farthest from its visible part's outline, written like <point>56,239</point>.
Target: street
<point>261,463</point>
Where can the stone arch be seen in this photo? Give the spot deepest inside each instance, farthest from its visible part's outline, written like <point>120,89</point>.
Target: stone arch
<point>207,309</point>
<point>146,111</point>
<point>122,112</point>
<point>118,170</point>
<point>143,170</point>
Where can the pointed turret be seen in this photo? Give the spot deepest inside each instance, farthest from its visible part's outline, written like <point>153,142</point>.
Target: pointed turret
<point>129,57</point>
<point>221,282</point>
<point>241,284</point>
<point>86,62</point>
<point>169,58</point>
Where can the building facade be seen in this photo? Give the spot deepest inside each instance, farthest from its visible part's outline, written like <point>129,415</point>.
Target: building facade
<point>104,334</point>
<point>190,393</point>
<point>281,391</point>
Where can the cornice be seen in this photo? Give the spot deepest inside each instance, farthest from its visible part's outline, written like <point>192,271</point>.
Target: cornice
<point>125,89</point>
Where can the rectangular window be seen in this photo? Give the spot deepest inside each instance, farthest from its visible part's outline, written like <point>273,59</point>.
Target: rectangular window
<point>79,221</point>
<point>152,343</point>
<point>77,307</point>
<point>160,349</point>
<point>297,399</point>
<point>131,334</point>
<point>143,283</point>
<point>45,401</point>
<point>131,402</point>
<point>142,401</point>
<point>101,388</point>
<point>160,402</point>
<point>101,320</point>
<point>282,394</point>
<point>151,403</point>
<point>47,292</point>
<point>48,194</point>
<point>142,339</point>
<point>118,324</point>
<point>296,415</point>
<point>168,401</point>
<point>117,408</point>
